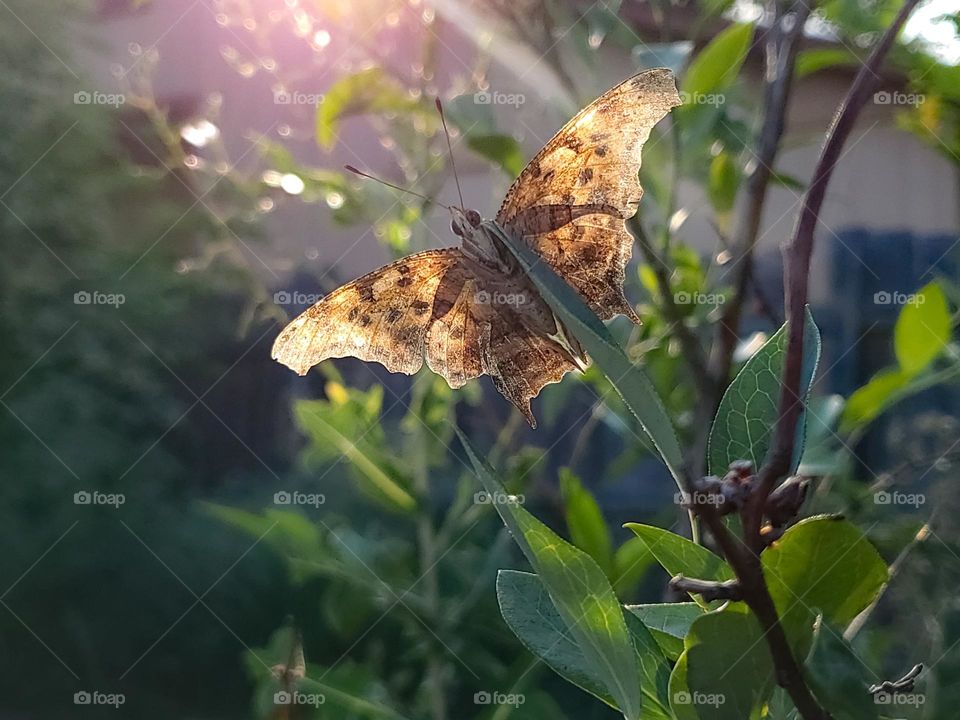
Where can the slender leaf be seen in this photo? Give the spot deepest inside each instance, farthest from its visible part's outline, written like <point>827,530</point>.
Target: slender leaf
<point>680,556</point>
<point>922,330</point>
<point>580,592</point>
<point>502,150</point>
<point>837,676</point>
<point>630,382</point>
<point>529,612</point>
<point>729,668</point>
<point>588,529</point>
<point>669,623</point>
<point>716,67</point>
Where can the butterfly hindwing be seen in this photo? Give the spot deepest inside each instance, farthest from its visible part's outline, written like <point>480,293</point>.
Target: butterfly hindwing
<point>572,199</point>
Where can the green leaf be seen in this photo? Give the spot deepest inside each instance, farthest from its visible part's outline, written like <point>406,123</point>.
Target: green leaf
<point>529,612</point>
<point>723,181</point>
<point>630,563</point>
<point>588,529</point>
<point>502,150</point>
<point>824,563</point>
<point>837,678</point>
<point>630,382</point>
<point>332,427</point>
<point>679,556</point>
<point>869,401</point>
<point>922,330</point>
<point>748,411</point>
<point>368,91</point>
<point>680,701</point>
<point>811,61</point>
<point>729,668</point>
<point>823,451</point>
<point>669,623</point>
<point>715,68</point>
<point>579,590</point>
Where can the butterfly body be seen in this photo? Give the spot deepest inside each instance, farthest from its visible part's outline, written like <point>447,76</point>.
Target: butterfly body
<point>471,310</point>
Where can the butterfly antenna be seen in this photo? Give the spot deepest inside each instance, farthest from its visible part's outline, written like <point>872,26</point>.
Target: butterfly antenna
<point>361,173</point>
<point>446,132</point>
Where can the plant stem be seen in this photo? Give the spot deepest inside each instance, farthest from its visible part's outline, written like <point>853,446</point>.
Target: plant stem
<point>427,547</point>
<point>797,254</point>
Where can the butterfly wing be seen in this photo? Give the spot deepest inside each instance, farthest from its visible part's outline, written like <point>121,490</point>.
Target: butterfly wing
<point>430,304</point>
<point>510,342</point>
<point>572,199</point>
<point>381,317</point>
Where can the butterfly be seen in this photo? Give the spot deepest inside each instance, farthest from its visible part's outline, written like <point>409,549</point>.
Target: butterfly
<point>471,310</point>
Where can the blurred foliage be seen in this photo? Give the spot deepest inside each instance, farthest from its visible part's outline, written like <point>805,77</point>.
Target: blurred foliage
<point>388,582</point>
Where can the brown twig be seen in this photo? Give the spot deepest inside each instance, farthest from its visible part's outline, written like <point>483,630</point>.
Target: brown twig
<point>744,558</point>
<point>797,253</point>
<point>781,53</point>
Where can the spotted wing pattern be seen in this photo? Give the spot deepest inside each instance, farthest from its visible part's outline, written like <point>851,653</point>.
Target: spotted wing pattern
<point>572,199</point>
<point>430,304</point>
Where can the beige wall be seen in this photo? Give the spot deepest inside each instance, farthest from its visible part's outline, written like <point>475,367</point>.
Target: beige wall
<point>886,180</point>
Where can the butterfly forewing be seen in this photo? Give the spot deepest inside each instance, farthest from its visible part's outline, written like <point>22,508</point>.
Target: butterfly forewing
<point>589,172</point>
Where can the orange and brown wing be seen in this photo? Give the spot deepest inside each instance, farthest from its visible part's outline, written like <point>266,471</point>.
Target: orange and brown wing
<point>572,200</point>
<point>505,341</point>
<point>381,317</point>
